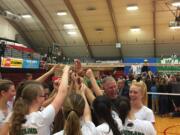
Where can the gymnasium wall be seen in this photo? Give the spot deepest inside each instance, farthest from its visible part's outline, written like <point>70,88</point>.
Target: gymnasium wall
<point>6,30</point>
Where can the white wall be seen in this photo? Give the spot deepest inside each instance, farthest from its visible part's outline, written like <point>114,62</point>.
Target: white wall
<point>6,30</point>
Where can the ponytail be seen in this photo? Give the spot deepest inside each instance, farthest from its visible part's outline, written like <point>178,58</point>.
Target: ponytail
<point>72,125</point>
<point>123,108</point>
<point>73,109</point>
<point>18,116</point>
<point>102,107</point>
<point>112,124</point>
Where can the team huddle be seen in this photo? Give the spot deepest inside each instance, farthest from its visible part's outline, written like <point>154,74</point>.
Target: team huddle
<point>74,107</point>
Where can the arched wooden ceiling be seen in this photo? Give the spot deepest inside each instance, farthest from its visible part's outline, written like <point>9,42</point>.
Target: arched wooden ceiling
<point>99,25</point>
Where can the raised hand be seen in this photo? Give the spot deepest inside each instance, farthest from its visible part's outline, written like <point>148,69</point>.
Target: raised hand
<point>78,67</point>
<point>66,68</point>
<point>89,73</point>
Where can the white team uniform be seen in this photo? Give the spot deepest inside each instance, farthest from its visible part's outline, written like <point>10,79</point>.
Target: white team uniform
<point>145,114</point>
<point>3,115</point>
<point>38,123</point>
<point>87,128</point>
<point>138,127</point>
<point>104,128</point>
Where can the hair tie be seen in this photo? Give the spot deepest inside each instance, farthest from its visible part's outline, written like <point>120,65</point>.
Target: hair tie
<point>72,110</point>
<point>67,114</point>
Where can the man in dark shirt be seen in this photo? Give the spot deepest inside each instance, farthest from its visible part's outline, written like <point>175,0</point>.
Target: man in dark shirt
<point>145,67</point>
<point>2,48</point>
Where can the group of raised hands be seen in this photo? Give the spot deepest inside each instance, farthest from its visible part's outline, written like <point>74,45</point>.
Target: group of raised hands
<point>76,74</point>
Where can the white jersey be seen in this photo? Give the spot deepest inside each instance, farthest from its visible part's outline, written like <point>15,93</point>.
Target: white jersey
<point>38,123</point>
<point>138,127</point>
<point>104,128</point>
<point>3,115</point>
<point>10,105</point>
<point>145,114</point>
<point>87,128</point>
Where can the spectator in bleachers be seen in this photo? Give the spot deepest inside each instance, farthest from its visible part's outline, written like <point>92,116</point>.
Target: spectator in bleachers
<point>164,99</point>
<point>28,76</point>
<point>154,98</point>
<point>175,99</point>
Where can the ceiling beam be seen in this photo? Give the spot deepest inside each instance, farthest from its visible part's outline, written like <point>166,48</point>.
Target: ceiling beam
<point>76,19</point>
<point>42,20</point>
<point>154,28</point>
<point>111,11</point>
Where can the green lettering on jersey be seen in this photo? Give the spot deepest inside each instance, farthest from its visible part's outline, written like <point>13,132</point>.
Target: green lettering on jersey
<point>27,131</point>
<point>127,132</point>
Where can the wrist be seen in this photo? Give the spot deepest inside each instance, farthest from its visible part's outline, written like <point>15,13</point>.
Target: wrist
<point>91,78</point>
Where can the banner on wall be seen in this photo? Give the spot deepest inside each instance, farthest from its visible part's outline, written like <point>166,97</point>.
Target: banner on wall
<point>140,60</point>
<point>170,60</point>
<point>11,62</point>
<point>31,64</point>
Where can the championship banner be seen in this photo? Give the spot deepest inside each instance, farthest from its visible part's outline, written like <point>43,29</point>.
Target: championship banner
<point>171,60</point>
<point>30,64</point>
<point>11,62</point>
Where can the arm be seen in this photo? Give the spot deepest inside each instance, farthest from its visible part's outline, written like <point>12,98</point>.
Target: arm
<point>62,90</point>
<point>95,86</point>
<point>89,95</point>
<point>87,110</point>
<point>49,100</point>
<point>4,129</point>
<point>46,75</point>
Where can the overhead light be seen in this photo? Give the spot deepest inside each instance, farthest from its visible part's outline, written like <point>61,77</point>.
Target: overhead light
<point>10,15</point>
<point>135,29</point>
<point>68,26</point>
<point>132,7</point>
<point>176,3</point>
<point>26,16</point>
<point>175,27</point>
<point>72,32</point>
<point>8,12</point>
<point>61,13</point>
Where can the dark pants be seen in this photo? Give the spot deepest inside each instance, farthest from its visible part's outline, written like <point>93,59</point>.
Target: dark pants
<point>164,104</point>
